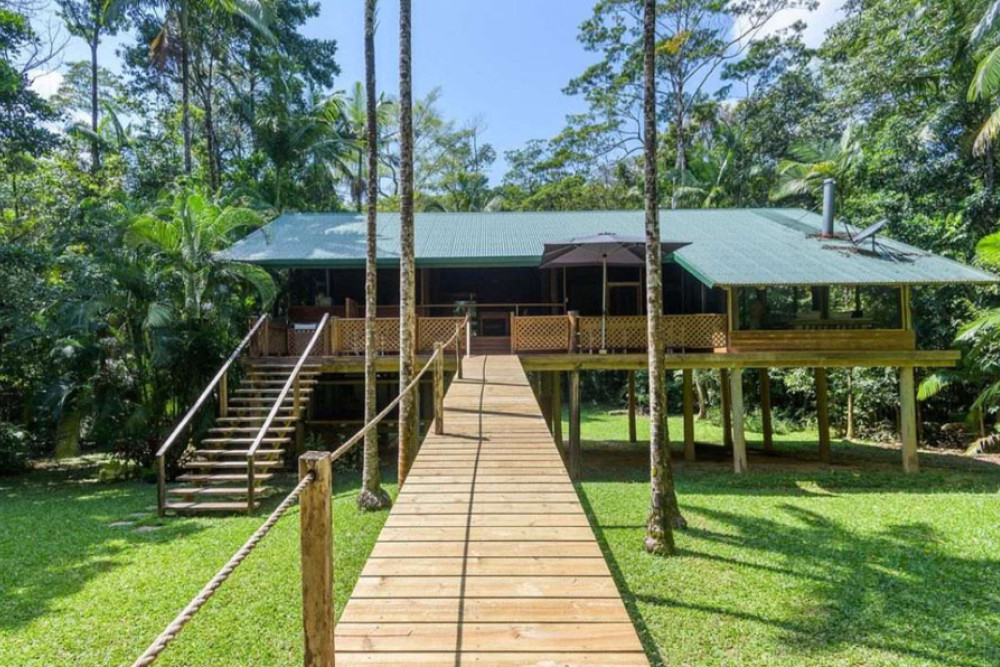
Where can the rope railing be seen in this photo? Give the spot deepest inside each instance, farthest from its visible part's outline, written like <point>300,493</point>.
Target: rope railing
<point>205,594</point>
<point>314,467</point>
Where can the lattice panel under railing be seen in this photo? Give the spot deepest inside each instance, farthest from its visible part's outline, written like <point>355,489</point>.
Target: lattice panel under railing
<point>271,340</point>
<point>349,336</point>
<point>432,330</point>
<point>696,332</point>
<point>298,339</point>
<point>542,332</point>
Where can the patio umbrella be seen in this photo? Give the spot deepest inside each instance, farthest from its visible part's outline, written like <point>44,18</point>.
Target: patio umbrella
<point>602,250</point>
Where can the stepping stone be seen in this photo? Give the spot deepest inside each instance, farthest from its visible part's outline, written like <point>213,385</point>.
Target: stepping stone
<point>146,529</point>
<point>121,524</point>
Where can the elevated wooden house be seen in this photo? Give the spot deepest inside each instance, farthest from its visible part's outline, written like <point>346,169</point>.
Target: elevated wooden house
<point>751,289</point>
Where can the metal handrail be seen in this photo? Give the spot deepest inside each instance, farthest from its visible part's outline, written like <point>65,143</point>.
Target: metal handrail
<point>289,383</point>
<point>186,420</point>
<point>359,436</point>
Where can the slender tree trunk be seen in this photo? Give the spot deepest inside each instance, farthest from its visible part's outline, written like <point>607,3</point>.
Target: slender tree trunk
<point>408,424</point>
<point>373,496</point>
<point>15,195</point>
<point>699,390</point>
<point>185,88</point>
<point>850,404</point>
<point>662,511</point>
<point>95,149</point>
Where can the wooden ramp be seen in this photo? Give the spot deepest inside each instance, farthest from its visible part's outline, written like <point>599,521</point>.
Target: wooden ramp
<point>487,557</point>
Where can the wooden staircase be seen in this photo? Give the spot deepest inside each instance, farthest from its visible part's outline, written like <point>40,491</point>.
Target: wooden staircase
<point>216,477</point>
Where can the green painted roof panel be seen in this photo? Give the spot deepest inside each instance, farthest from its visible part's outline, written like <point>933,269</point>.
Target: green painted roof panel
<point>728,247</point>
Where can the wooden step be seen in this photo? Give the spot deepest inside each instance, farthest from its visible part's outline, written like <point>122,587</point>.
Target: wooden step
<point>249,429</point>
<point>264,410</point>
<point>209,507</point>
<point>192,491</point>
<point>223,478</point>
<point>236,465</point>
<point>238,452</point>
<point>246,400</point>
<point>275,390</point>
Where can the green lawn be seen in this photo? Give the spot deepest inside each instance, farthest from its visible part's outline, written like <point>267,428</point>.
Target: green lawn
<point>792,564</point>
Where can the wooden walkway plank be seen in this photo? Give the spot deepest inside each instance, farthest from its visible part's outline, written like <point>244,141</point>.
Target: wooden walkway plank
<point>487,557</point>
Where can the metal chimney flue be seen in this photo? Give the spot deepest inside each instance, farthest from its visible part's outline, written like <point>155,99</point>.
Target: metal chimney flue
<point>829,206</point>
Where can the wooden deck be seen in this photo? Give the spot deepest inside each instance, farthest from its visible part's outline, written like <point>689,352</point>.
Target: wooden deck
<point>487,557</point>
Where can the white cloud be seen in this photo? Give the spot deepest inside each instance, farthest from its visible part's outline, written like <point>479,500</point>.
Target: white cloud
<point>817,22</point>
<point>45,82</point>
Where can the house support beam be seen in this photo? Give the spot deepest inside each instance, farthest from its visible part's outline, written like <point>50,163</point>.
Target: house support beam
<point>574,425</point>
<point>727,406</point>
<point>735,378</point>
<point>631,407</point>
<point>688,401</point>
<point>765,410</point>
<point>908,420</point>
<point>823,414</point>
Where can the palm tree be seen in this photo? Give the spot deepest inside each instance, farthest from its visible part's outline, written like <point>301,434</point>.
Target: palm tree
<point>356,119</point>
<point>986,84</point>
<point>92,20</point>
<point>184,235</point>
<point>814,162</point>
<point>408,425</point>
<point>373,496</point>
<point>663,505</point>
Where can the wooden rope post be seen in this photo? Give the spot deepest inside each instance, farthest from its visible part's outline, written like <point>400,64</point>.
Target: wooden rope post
<point>688,405</point>
<point>631,407</point>
<point>316,536</point>
<point>439,388</point>
<point>908,420</point>
<point>574,424</point>
<point>468,337</point>
<point>822,415</point>
<point>458,351</point>
<point>765,409</point>
<point>739,437</point>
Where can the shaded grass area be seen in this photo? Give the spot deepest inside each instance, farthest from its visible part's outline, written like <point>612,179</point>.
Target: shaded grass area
<point>795,563</point>
<point>75,590</point>
<point>801,564</point>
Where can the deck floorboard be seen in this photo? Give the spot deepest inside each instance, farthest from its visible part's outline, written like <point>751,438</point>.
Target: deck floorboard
<point>487,557</point>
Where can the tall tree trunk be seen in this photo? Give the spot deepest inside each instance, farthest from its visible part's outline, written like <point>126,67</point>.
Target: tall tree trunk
<point>680,164</point>
<point>185,88</point>
<point>95,148</point>
<point>373,496</point>
<point>408,425</point>
<point>850,404</point>
<point>662,511</point>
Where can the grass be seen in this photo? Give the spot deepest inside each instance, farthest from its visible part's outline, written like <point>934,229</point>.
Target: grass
<point>800,564</point>
<point>793,564</point>
<point>75,590</point>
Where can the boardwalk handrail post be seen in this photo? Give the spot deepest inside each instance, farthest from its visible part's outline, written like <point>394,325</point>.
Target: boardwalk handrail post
<point>468,335</point>
<point>438,388</point>
<point>316,537</point>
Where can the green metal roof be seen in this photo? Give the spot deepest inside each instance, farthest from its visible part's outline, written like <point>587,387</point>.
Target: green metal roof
<point>728,247</point>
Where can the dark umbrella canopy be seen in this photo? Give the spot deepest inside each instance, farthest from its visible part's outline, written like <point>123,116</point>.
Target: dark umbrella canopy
<point>613,249</point>
<point>602,250</point>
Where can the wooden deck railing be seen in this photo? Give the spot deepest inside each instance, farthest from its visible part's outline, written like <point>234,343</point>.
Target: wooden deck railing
<point>553,333</point>
<point>345,336</point>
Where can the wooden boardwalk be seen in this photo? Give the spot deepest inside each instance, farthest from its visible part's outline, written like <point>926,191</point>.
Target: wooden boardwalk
<point>487,557</point>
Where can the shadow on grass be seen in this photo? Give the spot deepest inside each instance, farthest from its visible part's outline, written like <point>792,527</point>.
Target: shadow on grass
<point>892,588</point>
<point>58,535</point>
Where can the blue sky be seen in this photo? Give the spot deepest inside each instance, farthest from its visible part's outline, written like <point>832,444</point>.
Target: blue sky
<point>504,61</point>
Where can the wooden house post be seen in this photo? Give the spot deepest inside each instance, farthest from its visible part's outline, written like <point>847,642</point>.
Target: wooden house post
<point>823,415</point>
<point>688,402</point>
<point>908,419</point>
<point>727,408</point>
<point>738,435</point>
<point>574,424</point>
<point>631,407</point>
<point>556,409</point>
<point>316,537</point>
<point>765,409</point>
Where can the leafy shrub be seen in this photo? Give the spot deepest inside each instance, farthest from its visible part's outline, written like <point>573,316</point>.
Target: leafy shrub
<point>15,448</point>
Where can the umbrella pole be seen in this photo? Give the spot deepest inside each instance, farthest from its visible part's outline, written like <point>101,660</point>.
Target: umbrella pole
<point>604,304</point>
